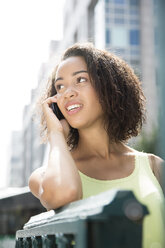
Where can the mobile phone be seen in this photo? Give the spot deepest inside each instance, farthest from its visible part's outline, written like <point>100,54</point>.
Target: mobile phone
<point>57,111</point>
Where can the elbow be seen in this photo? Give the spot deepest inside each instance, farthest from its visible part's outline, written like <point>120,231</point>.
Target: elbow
<point>35,181</point>
<point>55,196</point>
<point>31,182</point>
<point>33,186</point>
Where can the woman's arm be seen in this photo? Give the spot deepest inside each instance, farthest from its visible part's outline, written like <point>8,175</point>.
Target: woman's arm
<point>59,183</point>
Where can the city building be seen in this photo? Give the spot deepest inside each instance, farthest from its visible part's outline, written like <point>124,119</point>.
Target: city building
<point>15,168</point>
<point>148,12</point>
<point>119,28</point>
<point>78,22</point>
<point>127,28</point>
<point>33,150</point>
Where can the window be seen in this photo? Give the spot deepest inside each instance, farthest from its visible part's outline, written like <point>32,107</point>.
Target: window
<point>107,36</point>
<point>119,37</point>
<point>15,159</point>
<point>134,2</point>
<point>135,52</point>
<point>119,21</point>
<point>107,20</point>
<point>134,12</point>
<point>119,1</point>
<point>119,11</point>
<point>134,37</point>
<point>134,22</point>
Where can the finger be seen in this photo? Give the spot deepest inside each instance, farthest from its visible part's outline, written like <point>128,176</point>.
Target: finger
<point>54,98</point>
<point>50,100</point>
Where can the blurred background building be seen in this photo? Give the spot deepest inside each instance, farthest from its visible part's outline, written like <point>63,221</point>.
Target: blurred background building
<point>125,27</point>
<point>128,29</point>
<point>16,160</point>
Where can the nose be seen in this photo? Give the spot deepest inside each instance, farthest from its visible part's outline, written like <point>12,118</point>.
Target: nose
<point>70,93</point>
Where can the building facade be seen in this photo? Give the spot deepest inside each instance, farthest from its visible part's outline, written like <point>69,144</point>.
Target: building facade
<point>78,22</point>
<point>33,150</point>
<point>15,168</point>
<point>127,28</point>
<point>119,28</point>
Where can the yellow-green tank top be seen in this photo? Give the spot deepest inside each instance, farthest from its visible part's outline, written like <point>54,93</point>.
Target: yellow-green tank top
<point>146,189</point>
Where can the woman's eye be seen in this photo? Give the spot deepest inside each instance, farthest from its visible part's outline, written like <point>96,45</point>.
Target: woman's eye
<point>59,87</point>
<point>81,79</point>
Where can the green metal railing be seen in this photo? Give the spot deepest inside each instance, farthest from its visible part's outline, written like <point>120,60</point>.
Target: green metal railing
<point>16,209</point>
<point>112,219</point>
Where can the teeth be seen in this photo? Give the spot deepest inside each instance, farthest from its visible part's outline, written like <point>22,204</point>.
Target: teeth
<point>73,107</point>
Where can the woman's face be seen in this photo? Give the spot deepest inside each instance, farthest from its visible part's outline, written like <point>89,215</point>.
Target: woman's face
<point>76,98</point>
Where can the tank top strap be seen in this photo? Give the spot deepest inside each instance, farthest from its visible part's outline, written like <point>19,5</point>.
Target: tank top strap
<point>144,167</point>
<point>142,159</point>
<point>143,163</point>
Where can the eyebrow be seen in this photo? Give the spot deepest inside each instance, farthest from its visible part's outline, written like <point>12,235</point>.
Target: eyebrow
<point>73,74</point>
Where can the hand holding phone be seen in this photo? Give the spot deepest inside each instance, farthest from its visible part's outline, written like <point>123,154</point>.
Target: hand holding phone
<point>60,116</point>
<point>53,116</point>
<point>57,111</point>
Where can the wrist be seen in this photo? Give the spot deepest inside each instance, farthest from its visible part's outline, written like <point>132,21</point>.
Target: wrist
<point>56,137</point>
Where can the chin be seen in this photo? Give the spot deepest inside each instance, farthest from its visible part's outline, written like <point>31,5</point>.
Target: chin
<point>76,126</point>
<point>77,123</point>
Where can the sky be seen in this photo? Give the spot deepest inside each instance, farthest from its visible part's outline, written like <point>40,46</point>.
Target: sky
<point>26,29</point>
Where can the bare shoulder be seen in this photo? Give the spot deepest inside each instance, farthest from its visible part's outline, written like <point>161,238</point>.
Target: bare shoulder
<point>156,164</point>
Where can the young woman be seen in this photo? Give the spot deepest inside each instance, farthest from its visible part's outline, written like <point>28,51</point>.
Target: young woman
<point>102,104</point>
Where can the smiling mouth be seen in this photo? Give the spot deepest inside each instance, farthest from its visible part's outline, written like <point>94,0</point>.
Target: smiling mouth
<point>73,108</point>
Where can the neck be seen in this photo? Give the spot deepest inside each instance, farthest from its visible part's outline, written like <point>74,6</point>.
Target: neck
<point>95,142</point>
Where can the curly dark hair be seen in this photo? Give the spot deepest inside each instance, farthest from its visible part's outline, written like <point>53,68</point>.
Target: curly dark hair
<point>118,88</point>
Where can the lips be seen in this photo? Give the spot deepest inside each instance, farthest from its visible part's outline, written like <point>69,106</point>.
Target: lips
<point>73,107</point>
